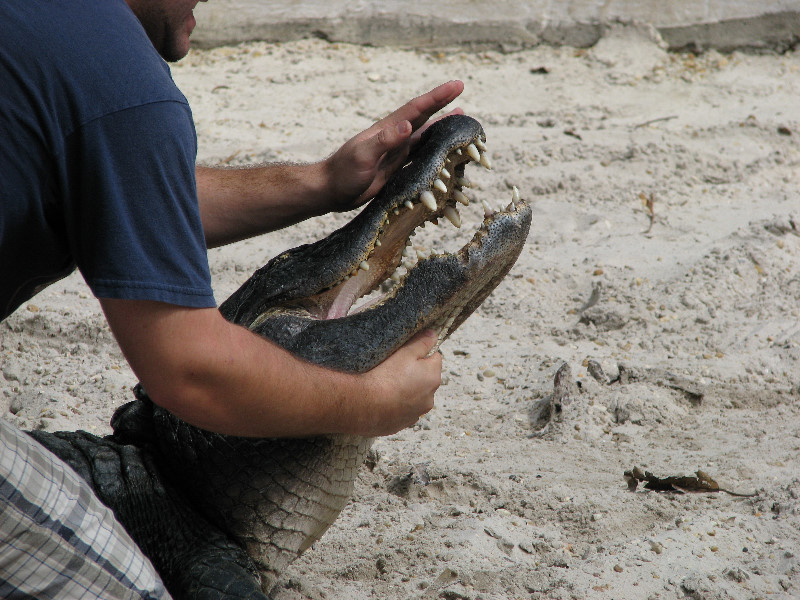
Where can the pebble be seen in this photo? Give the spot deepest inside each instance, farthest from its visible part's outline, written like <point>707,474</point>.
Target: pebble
<point>11,375</point>
<point>657,547</point>
<point>381,565</point>
<point>618,568</point>
<point>16,405</point>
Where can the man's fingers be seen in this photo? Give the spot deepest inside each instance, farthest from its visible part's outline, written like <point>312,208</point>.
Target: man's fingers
<point>419,110</point>
<point>433,101</point>
<point>386,140</point>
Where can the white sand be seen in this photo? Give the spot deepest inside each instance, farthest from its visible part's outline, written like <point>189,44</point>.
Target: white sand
<point>470,503</point>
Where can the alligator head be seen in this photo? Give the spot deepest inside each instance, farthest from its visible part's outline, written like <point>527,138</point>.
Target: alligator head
<point>304,298</point>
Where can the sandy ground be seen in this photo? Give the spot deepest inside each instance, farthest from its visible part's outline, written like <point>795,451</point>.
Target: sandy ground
<point>689,306</point>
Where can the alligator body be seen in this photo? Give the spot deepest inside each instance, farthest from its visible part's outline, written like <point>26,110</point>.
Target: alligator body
<point>221,516</point>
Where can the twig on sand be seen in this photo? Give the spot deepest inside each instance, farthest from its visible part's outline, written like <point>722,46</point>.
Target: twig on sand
<point>649,205</point>
<point>651,121</point>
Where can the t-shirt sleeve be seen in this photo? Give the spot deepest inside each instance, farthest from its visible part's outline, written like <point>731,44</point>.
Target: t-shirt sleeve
<point>132,216</point>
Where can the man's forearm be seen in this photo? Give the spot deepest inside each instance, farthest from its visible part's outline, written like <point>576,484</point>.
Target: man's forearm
<point>224,378</point>
<point>236,204</point>
<point>250,387</point>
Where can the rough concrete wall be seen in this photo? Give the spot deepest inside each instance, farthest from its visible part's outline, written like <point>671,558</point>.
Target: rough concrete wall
<point>509,24</point>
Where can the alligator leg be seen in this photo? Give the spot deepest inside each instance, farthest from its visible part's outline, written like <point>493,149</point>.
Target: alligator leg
<point>195,559</point>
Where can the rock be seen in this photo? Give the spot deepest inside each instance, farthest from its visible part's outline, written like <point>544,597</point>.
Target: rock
<point>17,404</point>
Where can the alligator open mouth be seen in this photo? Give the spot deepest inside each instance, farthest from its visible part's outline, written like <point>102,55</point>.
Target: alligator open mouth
<point>297,296</point>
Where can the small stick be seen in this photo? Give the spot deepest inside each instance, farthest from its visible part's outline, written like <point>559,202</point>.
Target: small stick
<point>649,204</point>
<point>651,121</point>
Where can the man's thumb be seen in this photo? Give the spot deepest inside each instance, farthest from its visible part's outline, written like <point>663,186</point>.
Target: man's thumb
<point>423,342</point>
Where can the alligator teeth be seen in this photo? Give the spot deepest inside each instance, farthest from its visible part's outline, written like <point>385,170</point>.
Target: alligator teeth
<point>445,173</point>
<point>408,204</point>
<point>481,146</point>
<point>460,197</point>
<point>459,152</point>
<point>428,199</point>
<point>408,264</point>
<point>396,211</point>
<point>487,210</point>
<point>395,277</point>
<point>377,243</point>
<point>439,185</point>
<point>451,214</point>
<point>473,152</point>
<point>406,252</point>
<point>364,266</point>
<point>421,254</point>
<point>514,199</point>
<point>484,160</point>
<point>463,182</point>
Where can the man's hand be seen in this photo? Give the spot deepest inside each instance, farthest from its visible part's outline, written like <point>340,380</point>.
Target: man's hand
<point>405,384</point>
<point>239,203</point>
<point>360,168</point>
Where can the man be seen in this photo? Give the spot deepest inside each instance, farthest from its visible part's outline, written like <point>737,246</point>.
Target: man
<point>97,151</point>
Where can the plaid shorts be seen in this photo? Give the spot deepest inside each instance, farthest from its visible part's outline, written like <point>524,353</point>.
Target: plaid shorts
<point>56,539</point>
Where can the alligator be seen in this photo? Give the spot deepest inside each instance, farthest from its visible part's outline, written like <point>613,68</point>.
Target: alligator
<point>221,516</point>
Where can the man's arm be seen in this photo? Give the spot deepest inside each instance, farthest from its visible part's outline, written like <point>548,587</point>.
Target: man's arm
<point>239,203</point>
<point>224,378</point>
<point>221,377</point>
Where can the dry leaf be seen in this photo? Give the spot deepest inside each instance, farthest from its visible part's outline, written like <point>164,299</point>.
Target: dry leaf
<point>702,483</point>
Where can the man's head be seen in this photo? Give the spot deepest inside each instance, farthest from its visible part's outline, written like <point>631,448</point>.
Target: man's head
<point>168,24</point>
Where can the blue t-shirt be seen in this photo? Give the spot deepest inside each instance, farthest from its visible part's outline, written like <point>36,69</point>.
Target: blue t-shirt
<point>97,157</point>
